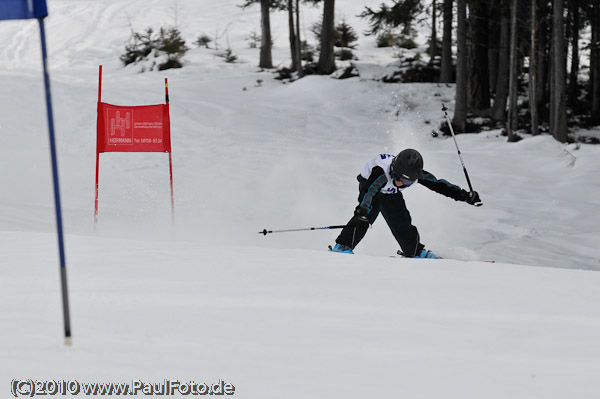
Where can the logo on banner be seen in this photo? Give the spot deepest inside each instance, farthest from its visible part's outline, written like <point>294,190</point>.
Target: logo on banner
<point>120,122</point>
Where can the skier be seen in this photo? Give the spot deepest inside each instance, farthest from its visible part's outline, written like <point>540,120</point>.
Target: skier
<point>381,182</point>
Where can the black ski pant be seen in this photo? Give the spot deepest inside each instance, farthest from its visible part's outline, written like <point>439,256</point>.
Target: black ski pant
<point>397,217</point>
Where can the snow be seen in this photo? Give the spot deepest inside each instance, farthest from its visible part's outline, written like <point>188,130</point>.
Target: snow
<point>207,298</point>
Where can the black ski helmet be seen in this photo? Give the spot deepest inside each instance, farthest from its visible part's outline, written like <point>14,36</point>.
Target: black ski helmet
<point>408,164</point>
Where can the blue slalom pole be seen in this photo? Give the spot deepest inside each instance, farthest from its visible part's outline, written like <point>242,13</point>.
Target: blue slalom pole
<point>57,206</point>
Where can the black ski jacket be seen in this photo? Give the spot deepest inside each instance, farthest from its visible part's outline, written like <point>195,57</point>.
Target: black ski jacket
<point>378,179</point>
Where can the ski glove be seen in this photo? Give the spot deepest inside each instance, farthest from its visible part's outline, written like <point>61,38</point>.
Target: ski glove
<point>472,198</point>
<point>360,218</point>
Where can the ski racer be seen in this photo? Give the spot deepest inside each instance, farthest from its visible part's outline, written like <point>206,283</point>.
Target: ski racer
<point>381,182</point>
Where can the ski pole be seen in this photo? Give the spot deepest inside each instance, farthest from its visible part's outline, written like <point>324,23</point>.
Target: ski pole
<point>458,149</point>
<point>265,231</point>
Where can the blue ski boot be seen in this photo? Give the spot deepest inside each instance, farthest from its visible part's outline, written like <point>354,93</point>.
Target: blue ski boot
<point>427,254</point>
<point>343,249</point>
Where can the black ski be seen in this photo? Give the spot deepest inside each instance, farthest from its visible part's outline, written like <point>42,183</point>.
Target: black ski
<point>400,254</point>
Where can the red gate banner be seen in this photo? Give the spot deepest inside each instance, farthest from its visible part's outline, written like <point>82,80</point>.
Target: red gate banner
<point>143,128</point>
<point>140,128</point>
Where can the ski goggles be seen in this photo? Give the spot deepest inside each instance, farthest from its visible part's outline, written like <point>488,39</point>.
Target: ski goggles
<point>405,182</point>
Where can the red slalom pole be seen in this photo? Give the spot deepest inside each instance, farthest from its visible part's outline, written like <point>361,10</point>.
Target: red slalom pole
<point>166,91</point>
<point>96,200</point>
<point>170,161</point>
<point>97,153</point>
<point>172,195</point>
<point>100,84</point>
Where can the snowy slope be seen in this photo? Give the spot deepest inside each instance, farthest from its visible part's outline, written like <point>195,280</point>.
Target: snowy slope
<point>300,323</point>
<point>209,298</point>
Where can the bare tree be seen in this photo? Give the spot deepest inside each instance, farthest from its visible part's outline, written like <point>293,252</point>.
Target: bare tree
<point>495,22</point>
<point>298,41</point>
<point>446,73</point>
<point>433,42</point>
<point>479,89</point>
<point>559,113</point>
<point>500,100</point>
<point>542,59</point>
<point>326,63</point>
<point>595,63</point>
<point>512,121</point>
<point>292,30</point>
<point>533,71</point>
<point>572,91</point>
<point>459,120</point>
<point>266,58</point>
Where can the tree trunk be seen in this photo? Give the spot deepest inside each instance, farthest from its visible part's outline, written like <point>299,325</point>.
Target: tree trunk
<point>433,43</point>
<point>479,89</point>
<point>550,89</point>
<point>326,64</point>
<point>292,35</point>
<point>446,73</point>
<point>595,65</point>
<point>542,67</point>
<point>460,108</point>
<point>292,30</point>
<point>266,59</point>
<point>572,96</point>
<point>495,28</point>
<point>559,125</point>
<point>499,108</point>
<point>298,41</point>
<point>512,122</point>
<point>533,71</point>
